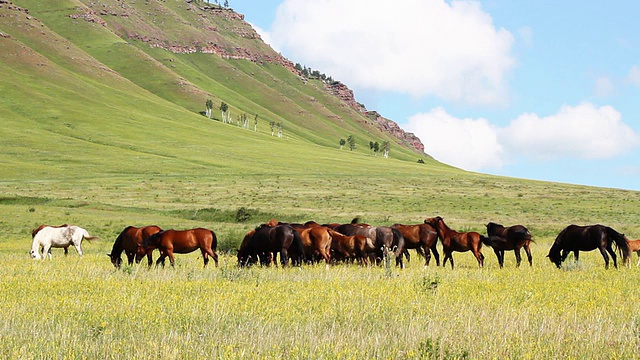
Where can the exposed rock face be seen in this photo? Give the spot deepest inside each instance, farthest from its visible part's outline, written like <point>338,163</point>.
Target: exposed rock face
<point>346,95</point>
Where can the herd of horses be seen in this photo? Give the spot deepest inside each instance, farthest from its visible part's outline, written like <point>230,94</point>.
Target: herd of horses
<point>353,242</point>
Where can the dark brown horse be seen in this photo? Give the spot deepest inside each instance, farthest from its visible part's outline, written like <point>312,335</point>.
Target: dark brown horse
<point>170,242</point>
<point>576,238</point>
<point>422,237</point>
<point>457,241</point>
<point>130,242</point>
<point>356,247</point>
<point>509,238</point>
<point>268,240</point>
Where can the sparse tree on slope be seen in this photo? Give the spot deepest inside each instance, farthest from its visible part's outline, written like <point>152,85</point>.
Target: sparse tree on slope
<point>209,105</point>
<point>342,142</point>
<point>352,142</point>
<point>224,108</point>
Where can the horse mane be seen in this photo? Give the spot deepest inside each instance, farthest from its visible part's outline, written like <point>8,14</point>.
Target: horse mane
<point>35,231</point>
<point>355,220</point>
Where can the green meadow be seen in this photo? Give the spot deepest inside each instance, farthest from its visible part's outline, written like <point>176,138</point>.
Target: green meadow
<point>103,131</point>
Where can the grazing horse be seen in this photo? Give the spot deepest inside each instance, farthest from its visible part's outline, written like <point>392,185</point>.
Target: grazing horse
<point>576,238</point>
<point>422,237</point>
<point>386,239</point>
<point>170,242</point>
<point>130,242</point>
<point>316,241</point>
<point>634,246</point>
<point>509,238</point>
<point>35,231</point>
<point>356,247</point>
<point>58,237</point>
<point>457,241</point>
<point>266,240</point>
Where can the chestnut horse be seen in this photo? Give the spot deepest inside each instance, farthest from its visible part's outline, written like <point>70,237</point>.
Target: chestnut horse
<point>457,241</point>
<point>316,241</point>
<point>422,237</point>
<point>356,247</point>
<point>576,238</point>
<point>634,245</point>
<point>170,242</point>
<point>386,239</point>
<point>267,240</point>
<point>130,242</point>
<point>509,238</point>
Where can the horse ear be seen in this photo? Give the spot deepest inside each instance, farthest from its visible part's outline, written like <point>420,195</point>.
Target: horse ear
<point>109,255</point>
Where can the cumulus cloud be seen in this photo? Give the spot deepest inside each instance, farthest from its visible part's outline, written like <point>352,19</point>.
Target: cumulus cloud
<point>470,144</point>
<point>584,131</point>
<point>419,47</point>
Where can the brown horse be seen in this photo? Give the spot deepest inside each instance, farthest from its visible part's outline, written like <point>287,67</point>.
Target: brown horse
<point>386,239</point>
<point>35,231</point>
<point>356,247</point>
<point>268,240</point>
<point>316,241</point>
<point>170,242</point>
<point>457,241</point>
<point>130,242</point>
<point>634,245</point>
<point>509,238</point>
<point>576,238</point>
<point>422,237</point>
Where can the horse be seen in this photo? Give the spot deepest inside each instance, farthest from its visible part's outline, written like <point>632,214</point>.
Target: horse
<point>35,231</point>
<point>351,247</point>
<point>170,242</point>
<point>386,239</point>
<point>457,241</point>
<point>634,246</point>
<point>130,242</point>
<point>316,241</point>
<point>421,237</point>
<point>266,240</point>
<point>509,238</point>
<point>576,238</point>
<point>58,237</point>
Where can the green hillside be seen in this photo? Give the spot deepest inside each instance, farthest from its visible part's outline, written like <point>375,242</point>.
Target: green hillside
<point>101,105</point>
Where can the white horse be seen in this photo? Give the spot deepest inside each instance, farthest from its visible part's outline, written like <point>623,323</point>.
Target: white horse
<point>58,237</point>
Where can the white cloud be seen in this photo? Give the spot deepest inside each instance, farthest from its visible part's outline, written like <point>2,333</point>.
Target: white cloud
<point>582,131</point>
<point>634,75</point>
<point>470,144</point>
<point>419,47</point>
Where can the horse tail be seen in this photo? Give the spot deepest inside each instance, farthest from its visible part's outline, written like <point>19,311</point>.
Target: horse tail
<point>355,220</point>
<point>619,240</point>
<point>214,241</point>
<point>299,247</point>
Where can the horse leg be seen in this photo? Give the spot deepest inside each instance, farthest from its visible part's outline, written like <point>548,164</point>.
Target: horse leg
<point>172,259</point>
<point>500,259</point>
<point>576,254</point>
<point>638,252</point>
<point>66,250</point>
<point>528,251</point>
<point>613,255</point>
<point>518,257</point>
<point>130,257</point>
<point>447,256</point>
<point>479,257</point>
<point>79,249</point>
<point>46,251</point>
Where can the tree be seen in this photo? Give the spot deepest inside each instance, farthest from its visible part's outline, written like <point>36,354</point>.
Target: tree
<point>280,130</point>
<point>209,105</point>
<point>255,123</point>
<point>385,149</point>
<point>342,142</point>
<point>224,108</point>
<point>376,148</point>
<point>226,3</point>
<point>272,124</point>
<point>352,142</point>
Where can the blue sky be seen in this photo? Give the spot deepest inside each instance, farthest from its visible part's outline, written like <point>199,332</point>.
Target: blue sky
<point>534,89</point>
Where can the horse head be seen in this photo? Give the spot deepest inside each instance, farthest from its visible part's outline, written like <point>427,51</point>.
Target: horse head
<point>554,256</point>
<point>115,260</point>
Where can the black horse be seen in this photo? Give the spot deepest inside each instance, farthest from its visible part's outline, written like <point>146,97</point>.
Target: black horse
<point>267,241</point>
<point>586,238</point>
<point>509,238</point>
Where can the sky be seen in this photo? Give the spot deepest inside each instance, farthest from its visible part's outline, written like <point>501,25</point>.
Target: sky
<point>535,89</point>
